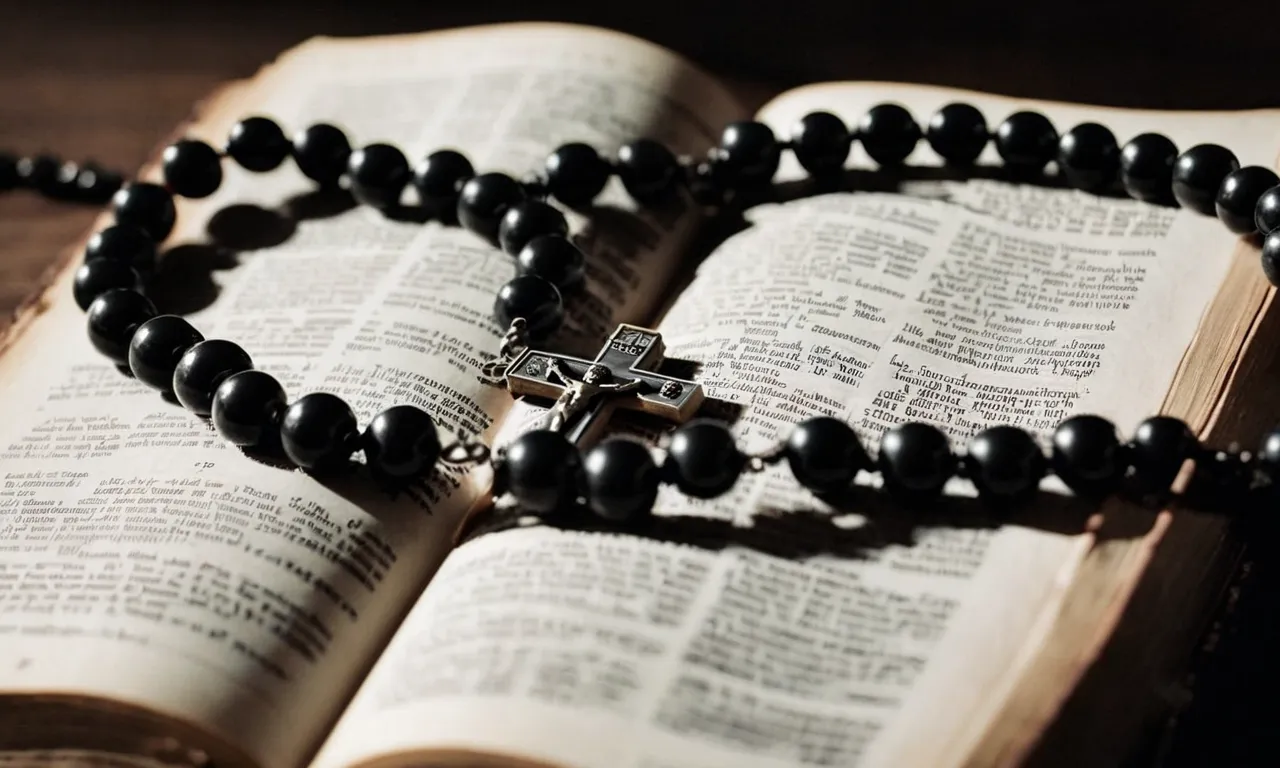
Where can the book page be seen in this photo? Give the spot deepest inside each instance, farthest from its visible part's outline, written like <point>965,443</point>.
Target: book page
<point>148,562</point>
<point>875,639</point>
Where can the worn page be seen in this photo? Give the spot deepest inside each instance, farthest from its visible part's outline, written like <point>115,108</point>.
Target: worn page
<point>146,561</point>
<point>875,639</point>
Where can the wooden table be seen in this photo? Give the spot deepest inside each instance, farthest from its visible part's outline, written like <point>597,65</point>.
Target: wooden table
<point>108,80</point>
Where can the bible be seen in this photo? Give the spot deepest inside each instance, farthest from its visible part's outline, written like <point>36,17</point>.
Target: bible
<point>169,600</point>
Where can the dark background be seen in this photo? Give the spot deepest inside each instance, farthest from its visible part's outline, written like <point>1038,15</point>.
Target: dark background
<point>108,79</point>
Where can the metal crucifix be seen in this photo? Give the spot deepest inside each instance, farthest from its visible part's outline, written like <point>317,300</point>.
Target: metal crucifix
<point>587,391</point>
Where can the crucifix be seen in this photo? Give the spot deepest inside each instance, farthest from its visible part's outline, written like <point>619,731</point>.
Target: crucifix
<point>587,391</point>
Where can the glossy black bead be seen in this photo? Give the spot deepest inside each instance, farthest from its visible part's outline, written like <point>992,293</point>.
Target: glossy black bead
<point>1238,196</point>
<point>553,258</point>
<point>439,178</point>
<point>1005,464</point>
<point>888,133</point>
<point>247,408</point>
<point>1221,480</point>
<point>148,207</point>
<point>96,277</point>
<point>1088,456</point>
<point>825,455</point>
<point>649,171</point>
<point>113,318</point>
<point>124,243</point>
<point>192,168</point>
<point>703,459</point>
<point>156,348</point>
<point>1089,157</point>
<point>748,155</point>
<point>541,470</point>
<point>1266,215</point>
<point>202,368</point>
<point>1268,457</point>
<point>821,143</point>
<point>318,432</point>
<point>95,184</point>
<point>38,172</point>
<point>378,173</point>
<point>1271,257</point>
<point>958,133</point>
<point>258,144</point>
<point>915,461</point>
<point>620,480</point>
<point>1146,167</point>
<point>1159,448</point>
<point>321,152</point>
<point>1026,141</point>
<point>529,219</point>
<point>576,173</point>
<point>64,187</point>
<point>484,200</point>
<point>8,171</point>
<point>535,299</point>
<point>1197,174</point>
<point>401,443</point>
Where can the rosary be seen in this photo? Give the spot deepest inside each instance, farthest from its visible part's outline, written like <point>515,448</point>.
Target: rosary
<point>544,470</point>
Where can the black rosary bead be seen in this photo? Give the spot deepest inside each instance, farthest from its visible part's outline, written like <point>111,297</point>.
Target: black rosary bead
<point>527,220</point>
<point>148,207</point>
<point>576,174</point>
<point>96,277</point>
<point>958,133</point>
<point>821,143</point>
<point>1026,141</point>
<point>553,258</point>
<point>379,173</point>
<point>1271,257</point>
<point>439,179</point>
<point>888,133</point>
<point>1160,446</point>
<point>1266,216</point>
<point>1146,167</point>
<point>484,200</point>
<point>1005,465</point>
<point>1089,157</point>
<point>156,348</point>
<point>915,461</point>
<point>703,459</point>
<point>38,172</point>
<point>748,155</point>
<point>113,318</point>
<point>258,144</point>
<point>649,171</point>
<point>8,171</point>
<point>620,480</point>
<point>203,368</point>
<point>321,152</point>
<point>1088,456</point>
<point>318,432</point>
<point>825,455</point>
<point>541,470</point>
<point>124,243</point>
<point>1268,456</point>
<point>1239,194</point>
<point>401,443</point>
<point>1198,173</point>
<point>96,185</point>
<point>535,299</point>
<point>247,407</point>
<point>192,168</point>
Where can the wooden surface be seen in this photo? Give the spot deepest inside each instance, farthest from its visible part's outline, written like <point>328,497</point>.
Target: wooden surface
<point>109,80</point>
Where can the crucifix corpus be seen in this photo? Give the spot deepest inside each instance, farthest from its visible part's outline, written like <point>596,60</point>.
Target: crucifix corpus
<point>587,391</point>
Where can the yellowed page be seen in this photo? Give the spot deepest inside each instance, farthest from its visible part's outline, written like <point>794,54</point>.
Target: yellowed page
<point>606,650</point>
<point>147,562</point>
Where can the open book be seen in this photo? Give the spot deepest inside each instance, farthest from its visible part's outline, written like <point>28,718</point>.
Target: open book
<point>167,600</point>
